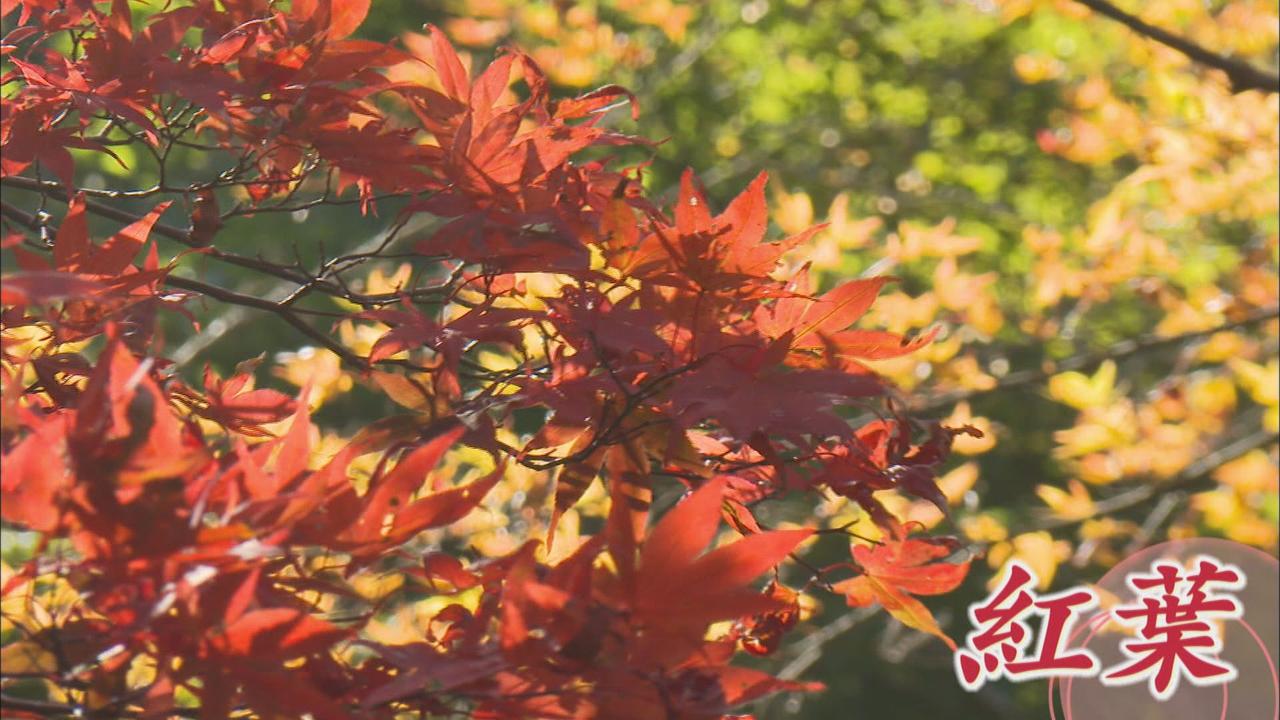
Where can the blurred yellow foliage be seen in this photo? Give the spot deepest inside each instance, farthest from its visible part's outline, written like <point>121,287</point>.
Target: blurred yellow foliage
<point>1074,504</point>
<point>1082,391</point>
<point>967,444</point>
<point>1038,550</point>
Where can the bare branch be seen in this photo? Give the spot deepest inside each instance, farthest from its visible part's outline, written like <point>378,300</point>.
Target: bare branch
<point>286,313</point>
<point>1242,75</point>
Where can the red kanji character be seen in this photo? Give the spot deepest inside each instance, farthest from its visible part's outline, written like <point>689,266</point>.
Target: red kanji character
<point>1174,637</point>
<point>1003,630</point>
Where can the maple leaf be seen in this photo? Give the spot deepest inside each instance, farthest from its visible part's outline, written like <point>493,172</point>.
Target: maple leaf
<point>815,328</point>
<point>384,516</point>
<point>763,633</point>
<point>124,427</point>
<point>724,254</point>
<point>608,330</point>
<point>280,633</point>
<point>338,18</point>
<point>881,456</point>
<point>74,252</point>
<point>34,288</point>
<point>412,329</point>
<point>35,476</point>
<point>571,483</point>
<point>808,320</point>
<point>855,345</point>
<point>894,572</point>
<point>441,571</point>
<point>787,403</point>
<point>231,404</point>
<point>679,590</point>
<point>423,666</point>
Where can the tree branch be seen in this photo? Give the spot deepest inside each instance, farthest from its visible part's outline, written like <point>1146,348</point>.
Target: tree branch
<point>1118,351</point>
<point>286,313</point>
<point>1242,75</point>
<point>810,649</point>
<point>54,709</point>
<point>285,309</point>
<point>290,273</point>
<point>1191,479</point>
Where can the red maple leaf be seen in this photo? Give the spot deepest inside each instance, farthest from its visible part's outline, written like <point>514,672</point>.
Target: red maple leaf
<point>893,572</point>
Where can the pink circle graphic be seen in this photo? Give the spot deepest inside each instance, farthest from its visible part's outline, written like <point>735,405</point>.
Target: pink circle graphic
<point>1253,694</point>
<point>1098,621</point>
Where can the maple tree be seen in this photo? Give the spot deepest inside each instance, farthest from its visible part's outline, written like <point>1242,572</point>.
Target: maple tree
<point>203,551</point>
<point>1082,193</point>
<point>1079,199</point>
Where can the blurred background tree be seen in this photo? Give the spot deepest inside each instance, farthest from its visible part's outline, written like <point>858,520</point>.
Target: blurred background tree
<point>1089,215</point>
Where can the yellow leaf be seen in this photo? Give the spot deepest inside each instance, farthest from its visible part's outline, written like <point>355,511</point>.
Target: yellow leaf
<point>1038,550</point>
<point>320,367</point>
<point>413,392</point>
<point>379,283</point>
<point>1099,469</point>
<point>1105,528</point>
<point>1253,472</point>
<point>1073,505</point>
<point>914,241</point>
<point>1210,401</point>
<point>1081,391</point>
<point>1221,347</point>
<point>966,373</point>
<point>906,609</point>
<point>1262,383</point>
<point>983,527</point>
<point>399,627</point>
<point>25,656</point>
<point>793,212</point>
<point>376,586</point>
<point>1223,510</point>
<point>1099,429</point>
<point>142,671</point>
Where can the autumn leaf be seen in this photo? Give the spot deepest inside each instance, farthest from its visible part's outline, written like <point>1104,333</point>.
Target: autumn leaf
<point>1084,391</point>
<point>276,633</point>
<point>894,572</point>
<point>679,590</point>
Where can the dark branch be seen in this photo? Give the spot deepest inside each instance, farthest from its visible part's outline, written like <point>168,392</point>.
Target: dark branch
<point>290,273</point>
<point>1242,75</point>
<point>60,710</point>
<point>285,312</point>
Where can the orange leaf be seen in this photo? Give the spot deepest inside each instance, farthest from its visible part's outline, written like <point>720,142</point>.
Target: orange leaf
<point>894,571</point>
<point>841,307</point>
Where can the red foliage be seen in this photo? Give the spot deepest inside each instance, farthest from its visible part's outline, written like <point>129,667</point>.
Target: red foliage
<point>676,352</point>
